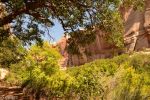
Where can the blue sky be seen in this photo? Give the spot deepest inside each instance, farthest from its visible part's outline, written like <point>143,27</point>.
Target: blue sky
<point>56,32</point>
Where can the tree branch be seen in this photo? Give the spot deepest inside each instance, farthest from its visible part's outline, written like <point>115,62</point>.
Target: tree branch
<point>9,18</point>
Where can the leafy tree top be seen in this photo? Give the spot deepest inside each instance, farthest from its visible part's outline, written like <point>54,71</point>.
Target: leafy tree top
<point>31,18</point>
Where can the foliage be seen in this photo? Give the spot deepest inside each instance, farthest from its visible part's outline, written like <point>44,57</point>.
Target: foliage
<point>124,77</point>
<point>132,86</point>
<point>120,78</point>
<point>138,4</point>
<point>11,51</point>
<point>38,59</point>
<point>31,19</point>
<point>79,39</point>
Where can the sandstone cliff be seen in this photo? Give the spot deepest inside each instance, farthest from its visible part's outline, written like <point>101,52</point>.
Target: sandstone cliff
<point>136,34</point>
<point>136,38</point>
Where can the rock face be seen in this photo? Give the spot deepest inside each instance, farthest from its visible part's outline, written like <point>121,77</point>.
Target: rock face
<point>100,48</point>
<point>3,73</point>
<point>12,93</point>
<point>137,24</point>
<point>62,44</point>
<point>136,38</point>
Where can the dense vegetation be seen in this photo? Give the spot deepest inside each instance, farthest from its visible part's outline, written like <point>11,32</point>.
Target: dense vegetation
<point>11,51</point>
<point>31,19</point>
<point>124,77</point>
<point>36,68</point>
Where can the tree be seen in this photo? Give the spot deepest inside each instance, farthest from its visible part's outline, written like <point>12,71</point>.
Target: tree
<point>11,52</point>
<point>28,16</point>
<point>34,71</point>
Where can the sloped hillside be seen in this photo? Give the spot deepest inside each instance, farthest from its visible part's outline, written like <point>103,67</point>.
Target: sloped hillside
<point>125,77</point>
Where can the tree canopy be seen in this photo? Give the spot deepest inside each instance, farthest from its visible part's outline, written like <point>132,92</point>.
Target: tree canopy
<point>31,18</point>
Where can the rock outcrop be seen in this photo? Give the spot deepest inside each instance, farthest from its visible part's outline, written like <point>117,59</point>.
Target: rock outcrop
<point>137,25</point>
<point>136,38</point>
<point>100,48</point>
<point>12,93</point>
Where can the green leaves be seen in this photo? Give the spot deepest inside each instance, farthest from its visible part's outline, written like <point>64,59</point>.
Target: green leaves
<point>120,78</point>
<point>11,51</point>
<point>79,39</point>
<point>72,14</point>
<point>137,4</point>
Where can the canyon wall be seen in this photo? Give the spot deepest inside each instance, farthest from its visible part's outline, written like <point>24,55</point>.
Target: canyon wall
<point>136,35</point>
<point>136,38</point>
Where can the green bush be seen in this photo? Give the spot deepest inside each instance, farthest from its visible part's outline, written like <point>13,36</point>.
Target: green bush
<point>125,77</point>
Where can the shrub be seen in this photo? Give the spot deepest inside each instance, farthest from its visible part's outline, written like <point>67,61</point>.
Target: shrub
<point>125,77</point>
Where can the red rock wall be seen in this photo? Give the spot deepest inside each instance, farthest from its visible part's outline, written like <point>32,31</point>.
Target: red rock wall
<point>98,49</point>
<point>136,37</point>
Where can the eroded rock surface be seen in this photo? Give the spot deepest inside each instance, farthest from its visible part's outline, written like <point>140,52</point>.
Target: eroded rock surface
<point>100,48</point>
<point>136,38</point>
<point>137,28</point>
